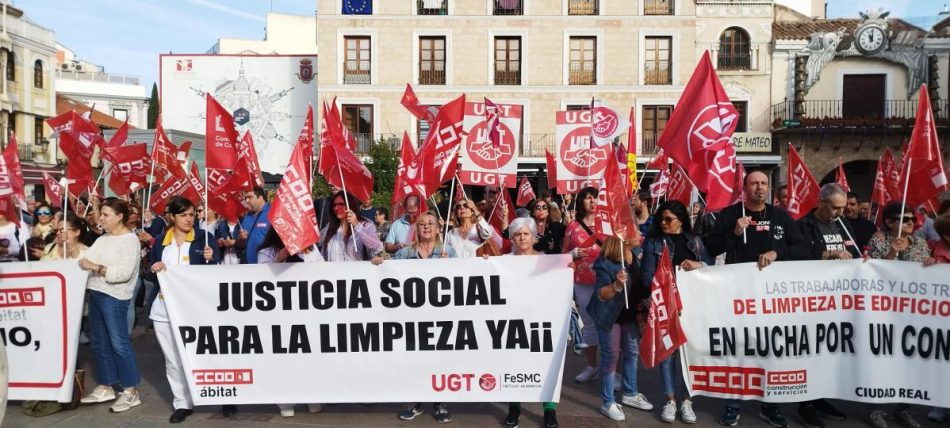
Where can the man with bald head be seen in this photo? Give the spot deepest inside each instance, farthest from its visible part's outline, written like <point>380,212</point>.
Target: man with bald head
<point>754,231</point>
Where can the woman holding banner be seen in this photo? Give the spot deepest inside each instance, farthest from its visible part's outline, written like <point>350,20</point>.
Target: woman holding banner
<point>579,241</point>
<point>348,236</point>
<point>671,228</point>
<point>181,245</point>
<point>470,230</point>
<point>114,265</point>
<point>426,244</point>
<point>550,234</point>
<point>523,233</point>
<point>898,242</point>
<point>619,288</point>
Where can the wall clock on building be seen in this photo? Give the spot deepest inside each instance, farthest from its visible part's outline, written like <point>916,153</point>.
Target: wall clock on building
<point>870,39</point>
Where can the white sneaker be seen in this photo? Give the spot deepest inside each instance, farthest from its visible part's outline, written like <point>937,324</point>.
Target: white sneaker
<point>588,374</point>
<point>315,407</point>
<point>125,402</point>
<point>637,402</point>
<point>686,412</point>
<point>668,414</point>
<point>286,410</point>
<point>100,394</point>
<point>618,382</point>
<point>614,412</point>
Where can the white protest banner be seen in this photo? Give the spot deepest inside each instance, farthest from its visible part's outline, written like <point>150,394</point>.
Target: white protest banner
<point>873,332</point>
<point>422,330</point>
<point>578,164</point>
<point>482,163</point>
<point>40,312</point>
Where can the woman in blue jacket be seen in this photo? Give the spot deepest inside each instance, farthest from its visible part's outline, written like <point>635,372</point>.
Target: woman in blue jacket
<point>671,227</point>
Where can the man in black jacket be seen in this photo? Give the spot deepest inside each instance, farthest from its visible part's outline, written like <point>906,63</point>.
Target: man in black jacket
<point>862,227</point>
<point>754,231</point>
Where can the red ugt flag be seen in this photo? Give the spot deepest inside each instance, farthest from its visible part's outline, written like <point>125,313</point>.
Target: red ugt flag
<point>802,186</point>
<point>923,175</point>
<point>698,135</point>
<point>220,136</point>
<point>663,333</point>
<point>292,212</point>
<point>525,193</point>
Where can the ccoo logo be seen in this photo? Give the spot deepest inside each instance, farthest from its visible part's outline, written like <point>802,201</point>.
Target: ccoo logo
<point>487,382</point>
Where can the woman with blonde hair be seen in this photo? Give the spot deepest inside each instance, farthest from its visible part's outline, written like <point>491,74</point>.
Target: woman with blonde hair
<point>470,230</point>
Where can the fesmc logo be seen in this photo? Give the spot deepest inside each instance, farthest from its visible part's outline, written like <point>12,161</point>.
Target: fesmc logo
<point>481,150</point>
<point>455,382</point>
<point>578,156</point>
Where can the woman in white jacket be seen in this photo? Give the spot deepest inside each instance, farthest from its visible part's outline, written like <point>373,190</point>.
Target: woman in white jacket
<point>470,231</point>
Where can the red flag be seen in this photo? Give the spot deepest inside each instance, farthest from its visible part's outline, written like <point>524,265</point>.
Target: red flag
<point>421,112</point>
<point>660,161</point>
<point>292,214</point>
<point>698,135</point>
<point>632,135</point>
<point>613,216</point>
<point>408,177</point>
<point>54,191</point>
<point>120,136</point>
<point>346,138</point>
<point>840,178</point>
<point>248,166</point>
<point>459,191</point>
<point>525,193</point>
<point>305,138</point>
<point>492,122</point>
<point>129,169</point>
<point>552,169</point>
<point>662,334</point>
<point>166,156</point>
<point>8,207</point>
<point>220,136</point>
<point>174,187</point>
<point>620,153</point>
<point>802,186</point>
<point>885,180</point>
<point>504,200</point>
<point>11,173</point>
<point>923,175</point>
<point>680,188</point>
<point>344,170</point>
<point>83,132</point>
<point>661,185</point>
<point>439,153</point>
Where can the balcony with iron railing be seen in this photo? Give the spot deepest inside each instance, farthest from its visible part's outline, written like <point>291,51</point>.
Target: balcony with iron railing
<point>432,77</point>
<point>657,77</point>
<point>432,7</point>
<point>503,77</point>
<point>508,7</point>
<point>356,76</point>
<point>582,73</point>
<point>733,62</point>
<point>658,7</point>
<point>839,113</point>
<point>583,7</point>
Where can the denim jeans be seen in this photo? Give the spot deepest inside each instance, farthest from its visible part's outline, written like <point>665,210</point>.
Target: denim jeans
<point>108,325</point>
<point>624,337</point>
<point>673,382</point>
<point>131,310</point>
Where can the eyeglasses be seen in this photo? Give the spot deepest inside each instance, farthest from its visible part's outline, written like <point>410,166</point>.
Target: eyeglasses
<point>906,220</point>
<point>540,207</point>
<point>44,212</point>
<point>339,204</point>
<point>668,219</point>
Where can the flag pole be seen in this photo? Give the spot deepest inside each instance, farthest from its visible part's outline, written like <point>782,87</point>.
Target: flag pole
<point>346,199</point>
<point>623,260</point>
<point>147,193</point>
<point>95,187</point>
<point>207,233</point>
<point>847,232</point>
<point>445,234</point>
<point>65,212</point>
<point>900,228</point>
<point>26,248</point>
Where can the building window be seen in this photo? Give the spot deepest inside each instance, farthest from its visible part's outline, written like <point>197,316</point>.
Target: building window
<point>508,60</point>
<point>508,7</point>
<point>743,121</point>
<point>432,60</point>
<point>38,74</point>
<point>11,66</point>
<point>582,7</point>
<point>38,130</point>
<point>734,50</point>
<point>356,66</point>
<point>357,7</point>
<point>358,119</point>
<point>120,113</point>
<point>658,7</point>
<point>657,61</point>
<point>863,96</point>
<point>577,107</point>
<point>433,7</point>
<point>654,122</point>
<point>583,57</point>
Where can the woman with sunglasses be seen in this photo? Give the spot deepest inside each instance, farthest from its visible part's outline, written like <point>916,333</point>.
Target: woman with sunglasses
<point>348,236</point>
<point>550,233</point>
<point>43,225</point>
<point>68,244</point>
<point>470,231</point>
<point>671,228</point>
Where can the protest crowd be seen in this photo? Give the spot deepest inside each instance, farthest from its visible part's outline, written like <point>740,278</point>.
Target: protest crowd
<point>620,238</point>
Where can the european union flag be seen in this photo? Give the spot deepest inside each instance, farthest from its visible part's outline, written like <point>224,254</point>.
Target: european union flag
<point>357,7</point>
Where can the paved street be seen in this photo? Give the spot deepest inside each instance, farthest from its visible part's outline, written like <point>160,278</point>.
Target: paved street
<point>578,407</point>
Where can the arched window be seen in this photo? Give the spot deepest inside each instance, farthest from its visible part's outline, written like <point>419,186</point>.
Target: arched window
<point>734,50</point>
<point>11,66</point>
<point>38,74</point>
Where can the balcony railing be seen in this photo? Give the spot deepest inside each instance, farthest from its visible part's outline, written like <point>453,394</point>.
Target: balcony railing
<point>657,77</point>
<point>432,7</point>
<point>25,151</point>
<point>740,61</point>
<point>359,77</point>
<point>534,145</point>
<point>431,77</point>
<point>582,74</point>
<point>507,77</point>
<point>508,7</point>
<point>658,7</point>
<point>582,7</point>
<point>831,113</point>
<point>97,77</point>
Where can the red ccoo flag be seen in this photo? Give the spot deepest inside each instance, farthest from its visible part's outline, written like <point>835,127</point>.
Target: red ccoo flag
<point>525,193</point>
<point>802,186</point>
<point>552,169</point>
<point>840,178</point>
<point>129,169</point>
<point>680,188</point>
<point>923,177</point>
<point>54,190</point>
<point>698,135</point>
<point>305,138</point>
<point>421,112</point>
<point>343,169</point>
<point>292,212</point>
<point>439,154</point>
<point>662,334</point>
<point>166,156</point>
<point>11,173</point>
<point>613,216</point>
<point>220,136</point>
